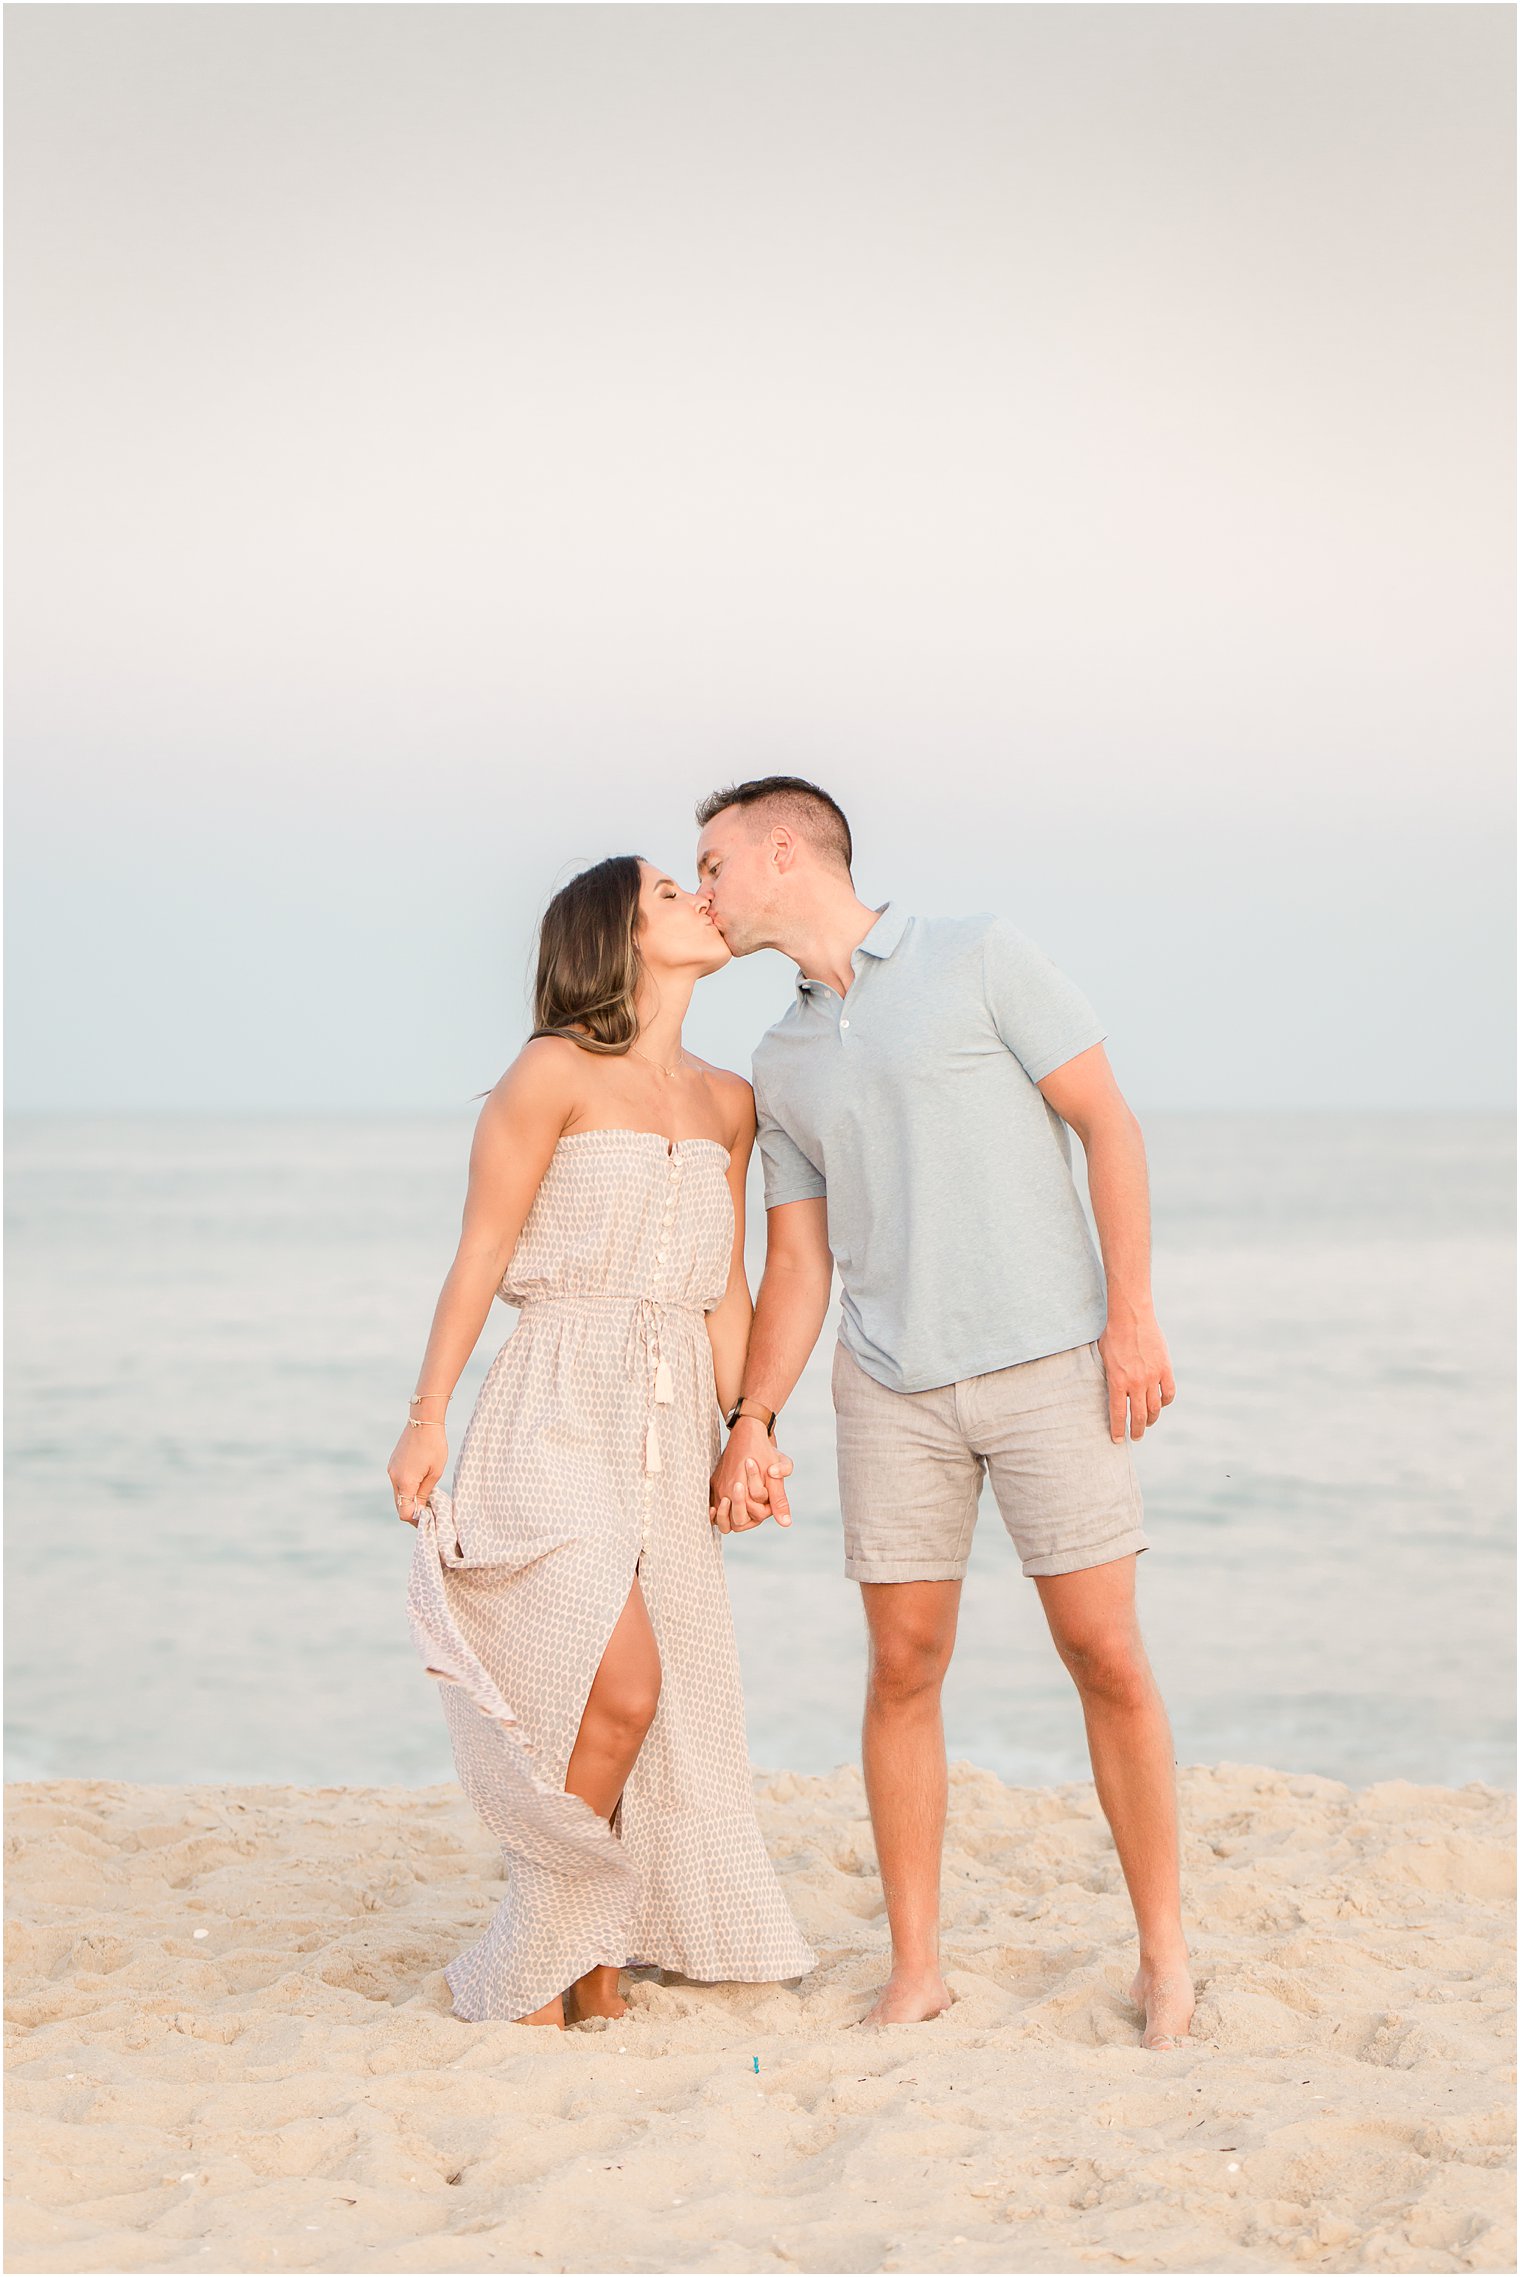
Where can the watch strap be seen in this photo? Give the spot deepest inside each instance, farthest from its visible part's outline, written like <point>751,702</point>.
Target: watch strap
<point>754,1408</point>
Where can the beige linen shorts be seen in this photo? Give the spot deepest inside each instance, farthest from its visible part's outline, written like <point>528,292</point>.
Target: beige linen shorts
<point>911,1467</point>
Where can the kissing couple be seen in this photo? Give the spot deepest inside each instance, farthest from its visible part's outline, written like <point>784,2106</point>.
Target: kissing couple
<point>913,1107</point>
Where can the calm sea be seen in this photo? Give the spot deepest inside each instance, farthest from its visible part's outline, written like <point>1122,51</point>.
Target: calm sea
<point>214,1325</point>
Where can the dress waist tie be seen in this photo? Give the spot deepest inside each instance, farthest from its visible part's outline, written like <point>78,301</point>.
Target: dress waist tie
<point>641,1352</point>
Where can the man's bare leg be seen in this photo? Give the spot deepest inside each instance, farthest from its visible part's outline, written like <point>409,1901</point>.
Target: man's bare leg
<point>1097,1634</point>
<point>912,1631</point>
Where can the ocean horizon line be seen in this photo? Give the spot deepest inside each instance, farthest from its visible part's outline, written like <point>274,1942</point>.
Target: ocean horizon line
<point>437,1114</point>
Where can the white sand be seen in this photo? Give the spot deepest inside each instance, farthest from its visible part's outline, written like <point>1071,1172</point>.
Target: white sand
<point>288,2090</point>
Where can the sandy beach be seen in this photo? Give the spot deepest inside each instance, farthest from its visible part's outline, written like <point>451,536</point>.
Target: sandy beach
<point>230,2047</point>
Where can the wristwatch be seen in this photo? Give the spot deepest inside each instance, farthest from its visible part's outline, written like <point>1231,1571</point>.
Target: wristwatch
<point>753,1407</point>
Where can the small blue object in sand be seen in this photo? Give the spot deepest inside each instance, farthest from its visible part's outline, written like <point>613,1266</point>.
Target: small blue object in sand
<point>755,2060</point>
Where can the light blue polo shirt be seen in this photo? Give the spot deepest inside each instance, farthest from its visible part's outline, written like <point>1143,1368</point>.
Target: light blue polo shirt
<point>911,1103</point>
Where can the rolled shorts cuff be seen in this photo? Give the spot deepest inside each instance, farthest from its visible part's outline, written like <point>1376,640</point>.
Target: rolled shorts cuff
<point>1092,1553</point>
<point>906,1569</point>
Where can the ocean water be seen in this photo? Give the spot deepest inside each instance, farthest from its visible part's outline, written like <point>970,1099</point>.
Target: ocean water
<point>214,1326</point>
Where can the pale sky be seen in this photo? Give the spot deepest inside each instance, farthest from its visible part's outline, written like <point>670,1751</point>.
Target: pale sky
<point>446,442</point>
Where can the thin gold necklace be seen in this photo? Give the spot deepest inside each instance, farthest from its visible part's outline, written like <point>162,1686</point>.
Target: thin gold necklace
<point>660,1064</point>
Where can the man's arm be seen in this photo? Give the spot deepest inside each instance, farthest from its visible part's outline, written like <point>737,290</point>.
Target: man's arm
<point>789,1312</point>
<point>728,1324</point>
<point>1135,1359</point>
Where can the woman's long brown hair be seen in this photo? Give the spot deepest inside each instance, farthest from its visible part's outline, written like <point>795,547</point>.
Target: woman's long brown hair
<point>588,960</point>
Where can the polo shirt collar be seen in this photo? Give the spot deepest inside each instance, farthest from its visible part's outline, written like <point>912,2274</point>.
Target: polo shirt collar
<point>891,924</point>
<point>883,938</point>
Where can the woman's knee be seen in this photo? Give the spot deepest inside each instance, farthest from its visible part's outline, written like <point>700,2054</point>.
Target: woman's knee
<point>625,1709</point>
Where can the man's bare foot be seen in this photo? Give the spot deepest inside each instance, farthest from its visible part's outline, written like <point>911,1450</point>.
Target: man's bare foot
<point>595,1994</point>
<point>552,2013</point>
<point>1165,1994</point>
<point>910,2000</point>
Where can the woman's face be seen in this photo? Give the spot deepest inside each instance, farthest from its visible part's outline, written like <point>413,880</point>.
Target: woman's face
<point>675,929</point>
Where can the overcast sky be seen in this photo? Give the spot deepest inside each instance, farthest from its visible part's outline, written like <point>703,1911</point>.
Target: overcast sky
<point>445,442</point>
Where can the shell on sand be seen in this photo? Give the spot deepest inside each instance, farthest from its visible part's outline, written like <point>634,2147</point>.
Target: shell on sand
<point>289,2090</point>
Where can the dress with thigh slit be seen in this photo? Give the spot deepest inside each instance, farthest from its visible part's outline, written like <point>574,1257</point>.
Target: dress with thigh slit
<point>585,1465</point>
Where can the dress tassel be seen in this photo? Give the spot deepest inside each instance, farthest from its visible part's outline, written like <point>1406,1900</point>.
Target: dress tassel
<point>664,1390</point>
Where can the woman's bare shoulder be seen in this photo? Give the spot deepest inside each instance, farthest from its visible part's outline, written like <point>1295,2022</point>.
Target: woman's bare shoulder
<point>732,1095</point>
<point>545,1078</point>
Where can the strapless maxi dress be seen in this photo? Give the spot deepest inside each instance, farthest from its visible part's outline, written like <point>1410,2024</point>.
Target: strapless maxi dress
<point>586,1462</point>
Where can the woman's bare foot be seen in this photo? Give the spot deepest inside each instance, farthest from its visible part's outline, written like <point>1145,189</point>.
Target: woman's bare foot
<point>910,1999</point>
<point>1165,1994</point>
<point>552,2013</point>
<point>596,1994</point>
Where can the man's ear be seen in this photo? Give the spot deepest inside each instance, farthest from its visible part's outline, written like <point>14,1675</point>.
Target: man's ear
<point>783,847</point>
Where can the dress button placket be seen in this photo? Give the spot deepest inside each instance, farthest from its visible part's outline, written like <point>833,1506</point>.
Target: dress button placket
<point>660,1256</point>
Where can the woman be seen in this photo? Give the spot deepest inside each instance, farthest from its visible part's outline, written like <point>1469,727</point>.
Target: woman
<point>570,1589</point>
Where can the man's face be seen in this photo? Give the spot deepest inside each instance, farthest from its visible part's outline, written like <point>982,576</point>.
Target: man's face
<point>737,879</point>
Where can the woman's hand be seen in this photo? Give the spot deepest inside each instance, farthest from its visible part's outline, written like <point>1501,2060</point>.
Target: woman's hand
<point>747,1486</point>
<point>421,1455</point>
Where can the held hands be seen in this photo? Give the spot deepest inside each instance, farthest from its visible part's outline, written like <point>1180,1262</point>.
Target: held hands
<point>417,1465</point>
<point>748,1485</point>
<point>1139,1371</point>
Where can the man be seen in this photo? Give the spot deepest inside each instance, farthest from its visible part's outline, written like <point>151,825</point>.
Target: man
<point>913,1106</point>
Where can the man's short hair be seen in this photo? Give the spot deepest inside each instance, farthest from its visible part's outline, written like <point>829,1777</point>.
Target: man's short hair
<point>809,811</point>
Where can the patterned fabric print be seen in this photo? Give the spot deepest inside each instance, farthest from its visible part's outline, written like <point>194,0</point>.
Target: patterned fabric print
<point>586,1461</point>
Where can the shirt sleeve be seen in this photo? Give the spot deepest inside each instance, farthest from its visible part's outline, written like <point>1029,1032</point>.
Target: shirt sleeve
<point>788,1173</point>
<point>1042,1017</point>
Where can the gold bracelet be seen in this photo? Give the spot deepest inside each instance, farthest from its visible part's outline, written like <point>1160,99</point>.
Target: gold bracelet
<point>418,1397</point>
<point>424,1423</point>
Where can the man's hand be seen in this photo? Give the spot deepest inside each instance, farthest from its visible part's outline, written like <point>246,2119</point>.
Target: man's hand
<point>1139,1372</point>
<point>748,1485</point>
